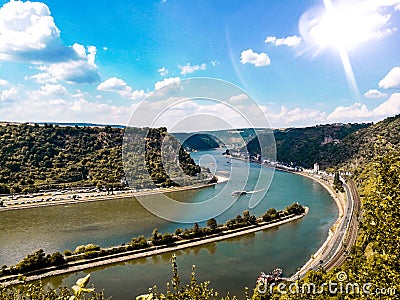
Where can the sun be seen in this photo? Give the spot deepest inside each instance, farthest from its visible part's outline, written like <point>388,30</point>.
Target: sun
<point>346,25</point>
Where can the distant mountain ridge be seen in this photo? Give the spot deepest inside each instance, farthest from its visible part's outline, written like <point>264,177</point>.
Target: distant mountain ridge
<point>79,124</point>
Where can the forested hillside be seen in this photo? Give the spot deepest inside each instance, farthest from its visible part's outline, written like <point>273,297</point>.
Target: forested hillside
<point>305,146</point>
<point>374,158</point>
<point>372,265</point>
<point>197,141</point>
<point>360,146</point>
<point>34,157</point>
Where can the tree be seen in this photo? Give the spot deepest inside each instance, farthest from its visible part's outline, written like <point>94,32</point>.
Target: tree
<point>271,214</point>
<point>155,236</point>
<point>246,216</point>
<point>196,228</point>
<point>178,231</point>
<point>212,224</point>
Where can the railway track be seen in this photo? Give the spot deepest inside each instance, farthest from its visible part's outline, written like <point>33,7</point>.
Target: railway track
<point>335,252</point>
<point>350,237</point>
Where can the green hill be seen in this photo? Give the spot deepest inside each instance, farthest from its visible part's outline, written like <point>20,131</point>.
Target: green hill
<point>34,157</point>
<point>305,146</point>
<point>197,141</point>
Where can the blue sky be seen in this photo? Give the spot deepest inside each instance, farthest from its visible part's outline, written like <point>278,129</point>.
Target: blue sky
<point>304,62</point>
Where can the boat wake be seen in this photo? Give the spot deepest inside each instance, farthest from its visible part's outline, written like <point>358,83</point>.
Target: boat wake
<point>256,191</point>
<point>239,193</point>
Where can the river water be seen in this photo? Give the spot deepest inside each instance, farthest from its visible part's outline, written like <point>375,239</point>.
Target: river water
<point>230,265</point>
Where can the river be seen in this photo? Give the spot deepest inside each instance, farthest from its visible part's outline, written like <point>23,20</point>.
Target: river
<point>230,265</point>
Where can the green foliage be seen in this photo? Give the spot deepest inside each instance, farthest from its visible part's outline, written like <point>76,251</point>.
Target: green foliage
<point>377,252</point>
<point>87,248</point>
<point>270,215</point>
<point>374,259</point>
<point>192,290</point>
<point>46,157</point>
<point>36,261</point>
<point>325,144</point>
<point>38,292</point>
<point>337,183</point>
<point>198,141</point>
<point>295,209</point>
<point>212,224</point>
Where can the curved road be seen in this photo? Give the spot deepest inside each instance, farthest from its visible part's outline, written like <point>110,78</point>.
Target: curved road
<point>335,252</point>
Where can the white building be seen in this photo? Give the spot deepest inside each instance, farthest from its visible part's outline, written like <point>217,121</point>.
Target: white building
<point>316,168</point>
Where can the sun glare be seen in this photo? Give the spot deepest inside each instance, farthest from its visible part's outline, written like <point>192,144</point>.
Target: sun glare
<point>346,25</point>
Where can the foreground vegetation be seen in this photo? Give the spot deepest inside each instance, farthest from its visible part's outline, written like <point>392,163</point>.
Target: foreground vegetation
<point>79,291</point>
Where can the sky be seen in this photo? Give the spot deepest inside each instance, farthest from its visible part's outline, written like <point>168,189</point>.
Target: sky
<point>304,62</point>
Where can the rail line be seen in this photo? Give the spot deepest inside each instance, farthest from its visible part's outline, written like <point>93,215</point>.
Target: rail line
<point>350,236</point>
<point>335,252</point>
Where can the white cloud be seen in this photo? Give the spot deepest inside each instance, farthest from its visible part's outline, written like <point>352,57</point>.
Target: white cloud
<point>163,71</point>
<point>360,112</point>
<point>257,59</point>
<point>115,84</point>
<point>42,78</point>
<point>29,34</point>
<point>3,82</point>
<point>53,89</point>
<point>238,99</point>
<point>187,69</point>
<point>10,94</point>
<point>397,8</point>
<point>290,41</point>
<point>294,117</point>
<point>159,84</point>
<point>391,80</point>
<point>390,107</point>
<point>214,63</point>
<point>27,30</point>
<point>374,94</point>
<point>355,112</point>
<point>62,110</point>
<point>82,70</point>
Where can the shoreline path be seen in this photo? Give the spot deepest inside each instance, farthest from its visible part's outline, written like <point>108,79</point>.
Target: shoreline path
<point>56,198</point>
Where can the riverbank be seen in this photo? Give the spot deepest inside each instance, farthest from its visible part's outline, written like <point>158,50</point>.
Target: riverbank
<point>154,250</point>
<point>51,199</point>
<point>341,202</point>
